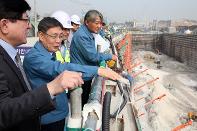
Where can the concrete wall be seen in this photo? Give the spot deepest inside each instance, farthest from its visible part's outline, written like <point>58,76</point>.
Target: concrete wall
<point>181,47</point>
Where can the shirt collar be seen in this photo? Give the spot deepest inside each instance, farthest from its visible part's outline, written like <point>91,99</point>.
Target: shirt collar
<point>85,28</point>
<point>39,46</point>
<point>9,49</point>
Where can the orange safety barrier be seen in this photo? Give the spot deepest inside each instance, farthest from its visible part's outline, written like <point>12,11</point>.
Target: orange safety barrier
<point>136,74</point>
<point>122,42</point>
<point>149,82</point>
<point>141,115</point>
<point>144,113</point>
<point>137,91</point>
<point>139,99</point>
<point>153,100</point>
<point>178,128</point>
<point>152,111</point>
<point>127,54</point>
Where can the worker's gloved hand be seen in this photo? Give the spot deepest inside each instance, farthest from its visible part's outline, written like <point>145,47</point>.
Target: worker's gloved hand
<point>111,63</point>
<point>127,76</point>
<point>108,73</point>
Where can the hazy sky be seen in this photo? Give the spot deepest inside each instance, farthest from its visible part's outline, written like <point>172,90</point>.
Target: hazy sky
<point>123,10</point>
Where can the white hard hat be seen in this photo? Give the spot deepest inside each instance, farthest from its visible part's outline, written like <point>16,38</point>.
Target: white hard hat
<point>63,18</point>
<point>75,19</point>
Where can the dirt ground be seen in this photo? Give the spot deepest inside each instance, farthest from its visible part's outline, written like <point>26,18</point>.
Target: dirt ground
<point>176,88</point>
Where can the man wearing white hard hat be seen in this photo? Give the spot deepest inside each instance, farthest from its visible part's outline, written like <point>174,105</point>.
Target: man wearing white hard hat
<point>75,22</point>
<point>63,54</point>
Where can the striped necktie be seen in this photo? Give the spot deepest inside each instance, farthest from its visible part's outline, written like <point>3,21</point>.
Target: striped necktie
<point>20,66</point>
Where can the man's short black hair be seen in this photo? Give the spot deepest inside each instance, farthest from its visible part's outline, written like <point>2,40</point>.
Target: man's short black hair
<point>13,9</point>
<point>47,23</point>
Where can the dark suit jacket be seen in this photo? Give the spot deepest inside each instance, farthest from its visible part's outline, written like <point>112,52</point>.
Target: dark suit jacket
<point>20,108</point>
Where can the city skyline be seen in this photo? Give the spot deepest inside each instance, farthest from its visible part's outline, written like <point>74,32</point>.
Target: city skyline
<point>121,11</point>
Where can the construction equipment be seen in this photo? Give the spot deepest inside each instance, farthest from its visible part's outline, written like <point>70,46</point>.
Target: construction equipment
<point>192,116</point>
<point>182,126</point>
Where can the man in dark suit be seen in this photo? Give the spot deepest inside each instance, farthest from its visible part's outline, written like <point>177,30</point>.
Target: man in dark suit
<point>21,107</point>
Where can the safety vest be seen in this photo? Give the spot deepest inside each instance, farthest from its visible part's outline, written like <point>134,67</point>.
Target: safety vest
<point>63,57</point>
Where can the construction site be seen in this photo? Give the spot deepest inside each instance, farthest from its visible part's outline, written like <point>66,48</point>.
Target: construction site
<point>163,91</point>
<point>90,65</point>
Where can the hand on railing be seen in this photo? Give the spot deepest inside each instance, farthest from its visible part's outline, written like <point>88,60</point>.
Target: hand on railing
<point>108,73</point>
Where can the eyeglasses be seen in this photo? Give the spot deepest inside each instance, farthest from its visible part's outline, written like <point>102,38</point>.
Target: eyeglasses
<point>25,20</point>
<point>55,36</point>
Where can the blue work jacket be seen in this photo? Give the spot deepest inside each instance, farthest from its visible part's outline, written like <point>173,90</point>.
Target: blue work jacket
<point>82,49</point>
<point>41,67</point>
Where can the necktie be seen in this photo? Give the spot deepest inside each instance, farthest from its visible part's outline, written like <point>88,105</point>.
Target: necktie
<point>20,66</point>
